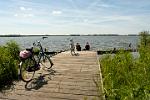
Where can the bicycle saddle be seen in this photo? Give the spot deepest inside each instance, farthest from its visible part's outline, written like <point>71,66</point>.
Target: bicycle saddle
<point>30,49</point>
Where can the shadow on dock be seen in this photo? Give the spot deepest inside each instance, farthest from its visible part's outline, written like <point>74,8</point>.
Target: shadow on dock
<point>40,81</point>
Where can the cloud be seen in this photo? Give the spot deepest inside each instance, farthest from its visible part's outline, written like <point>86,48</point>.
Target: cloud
<point>24,15</point>
<point>29,8</point>
<point>56,12</point>
<point>85,20</point>
<point>22,8</point>
<point>25,9</point>
<point>16,15</point>
<point>24,12</point>
<point>118,18</point>
<point>106,5</point>
<point>28,15</point>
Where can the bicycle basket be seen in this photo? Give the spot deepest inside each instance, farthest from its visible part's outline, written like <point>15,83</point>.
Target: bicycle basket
<point>25,54</point>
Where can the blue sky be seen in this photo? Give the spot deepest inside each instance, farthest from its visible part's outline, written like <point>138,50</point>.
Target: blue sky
<point>58,17</point>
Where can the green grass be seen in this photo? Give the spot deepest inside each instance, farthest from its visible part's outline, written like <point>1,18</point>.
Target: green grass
<point>126,78</point>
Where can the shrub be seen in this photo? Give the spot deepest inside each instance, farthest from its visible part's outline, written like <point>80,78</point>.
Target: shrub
<point>8,63</point>
<point>144,38</point>
<point>13,49</point>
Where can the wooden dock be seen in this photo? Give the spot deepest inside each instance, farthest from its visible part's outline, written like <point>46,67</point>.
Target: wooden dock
<point>71,78</point>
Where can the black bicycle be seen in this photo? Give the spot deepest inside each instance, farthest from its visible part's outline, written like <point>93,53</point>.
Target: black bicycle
<point>34,62</point>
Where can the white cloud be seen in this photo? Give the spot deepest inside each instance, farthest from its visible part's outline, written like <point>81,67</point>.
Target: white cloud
<point>106,5</point>
<point>56,12</point>
<point>22,8</point>
<point>16,15</point>
<point>85,20</point>
<point>24,15</point>
<point>25,12</point>
<point>118,18</point>
<point>29,8</point>
<point>30,15</point>
<point>25,9</point>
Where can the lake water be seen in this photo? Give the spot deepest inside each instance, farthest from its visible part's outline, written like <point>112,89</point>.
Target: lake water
<point>57,43</point>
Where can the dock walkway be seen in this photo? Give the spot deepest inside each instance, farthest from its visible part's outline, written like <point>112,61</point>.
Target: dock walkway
<point>71,78</point>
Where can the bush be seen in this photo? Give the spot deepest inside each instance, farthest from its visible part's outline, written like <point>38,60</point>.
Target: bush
<point>13,49</point>
<point>144,38</point>
<point>8,63</point>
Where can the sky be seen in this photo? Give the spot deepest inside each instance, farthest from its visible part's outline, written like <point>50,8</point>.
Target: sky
<point>63,17</point>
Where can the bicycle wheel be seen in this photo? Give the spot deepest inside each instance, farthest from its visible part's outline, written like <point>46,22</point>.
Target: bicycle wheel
<point>27,69</point>
<point>46,62</point>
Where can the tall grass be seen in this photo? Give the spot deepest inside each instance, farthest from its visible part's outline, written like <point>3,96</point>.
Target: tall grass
<point>126,78</point>
<point>8,63</point>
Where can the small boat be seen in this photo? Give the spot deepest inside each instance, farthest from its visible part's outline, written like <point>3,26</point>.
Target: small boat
<point>44,37</point>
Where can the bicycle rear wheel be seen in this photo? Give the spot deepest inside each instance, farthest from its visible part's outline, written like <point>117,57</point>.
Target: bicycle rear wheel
<point>46,62</point>
<point>27,69</point>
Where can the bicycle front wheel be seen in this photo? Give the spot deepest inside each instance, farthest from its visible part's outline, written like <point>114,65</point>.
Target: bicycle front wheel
<point>27,69</point>
<point>46,62</point>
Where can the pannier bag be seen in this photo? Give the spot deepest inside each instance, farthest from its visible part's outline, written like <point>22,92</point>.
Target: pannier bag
<point>25,54</point>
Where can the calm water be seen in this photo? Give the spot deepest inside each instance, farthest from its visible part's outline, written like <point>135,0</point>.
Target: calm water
<point>56,43</point>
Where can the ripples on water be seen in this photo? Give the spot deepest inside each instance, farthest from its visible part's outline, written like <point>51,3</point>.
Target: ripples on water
<point>57,43</point>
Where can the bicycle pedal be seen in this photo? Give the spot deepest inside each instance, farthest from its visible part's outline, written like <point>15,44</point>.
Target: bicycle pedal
<point>37,68</point>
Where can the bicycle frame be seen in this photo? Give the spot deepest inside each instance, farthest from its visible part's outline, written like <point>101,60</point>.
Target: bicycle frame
<point>28,70</point>
<point>41,52</point>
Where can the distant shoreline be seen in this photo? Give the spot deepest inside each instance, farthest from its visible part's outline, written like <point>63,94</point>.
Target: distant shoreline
<point>68,35</point>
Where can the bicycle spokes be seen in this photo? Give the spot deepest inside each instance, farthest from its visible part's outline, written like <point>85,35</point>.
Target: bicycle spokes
<point>27,70</point>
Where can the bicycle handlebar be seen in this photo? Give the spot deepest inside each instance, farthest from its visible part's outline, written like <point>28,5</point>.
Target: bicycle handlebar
<point>38,44</point>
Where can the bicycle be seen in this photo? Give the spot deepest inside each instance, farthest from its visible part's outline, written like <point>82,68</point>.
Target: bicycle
<point>33,63</point>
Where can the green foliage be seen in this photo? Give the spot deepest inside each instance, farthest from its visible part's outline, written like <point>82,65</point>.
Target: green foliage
<point>36,50</point>
<point>126,78</point>
<point>144,38</point>
<point>13,49</point>
<point>8,63</point>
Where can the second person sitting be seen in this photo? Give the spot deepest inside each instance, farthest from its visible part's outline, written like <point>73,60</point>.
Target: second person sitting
<point>87,46</point>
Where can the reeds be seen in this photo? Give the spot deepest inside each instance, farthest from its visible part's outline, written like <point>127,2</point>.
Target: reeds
<point>127,78</point>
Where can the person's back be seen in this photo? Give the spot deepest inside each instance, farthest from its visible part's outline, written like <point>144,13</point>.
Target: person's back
<point>87,46</point>
<point>78,47</point>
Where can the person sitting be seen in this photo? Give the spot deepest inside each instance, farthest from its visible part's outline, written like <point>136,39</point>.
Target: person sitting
<point>87,46</point>
<point>78,47</point>
<point>129,45</point>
